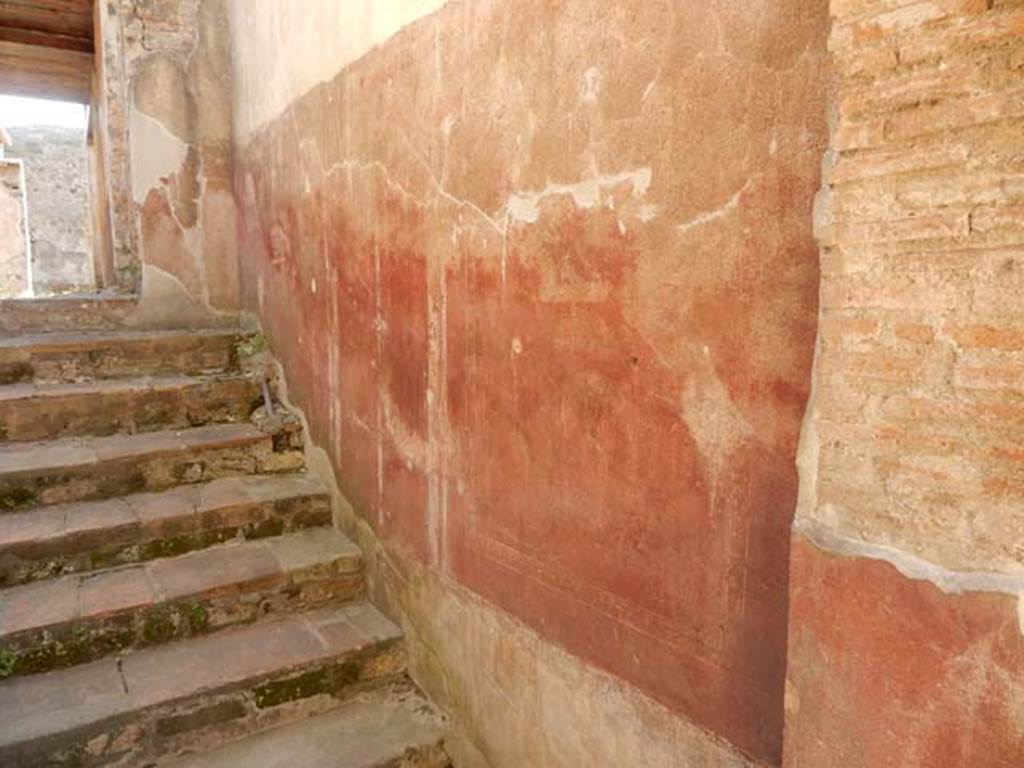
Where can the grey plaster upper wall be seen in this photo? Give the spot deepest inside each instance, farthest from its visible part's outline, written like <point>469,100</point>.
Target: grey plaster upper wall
<point>57,179</point>
<point>321,37</point>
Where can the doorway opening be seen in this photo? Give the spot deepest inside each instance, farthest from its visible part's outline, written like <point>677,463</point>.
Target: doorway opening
<point>56,152</point>
<point>45,205</point>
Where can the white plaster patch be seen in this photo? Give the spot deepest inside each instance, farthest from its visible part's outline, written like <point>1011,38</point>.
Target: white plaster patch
<point>156,154</point>
<point>525,206</point>
<point>447,124</point>
<point>591,86</point>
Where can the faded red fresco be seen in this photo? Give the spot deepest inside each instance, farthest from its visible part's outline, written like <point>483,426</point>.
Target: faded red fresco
<point>936,684</point>
<point>543,278</point>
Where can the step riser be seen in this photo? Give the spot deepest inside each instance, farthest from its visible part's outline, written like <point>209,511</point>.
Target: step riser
<point>134,542</point>
<point>98,414</point>
<point>153,735</point>
<point>84,640</point>
<point>119,359</point>
<point>69,313</point>
<point>128,475</point>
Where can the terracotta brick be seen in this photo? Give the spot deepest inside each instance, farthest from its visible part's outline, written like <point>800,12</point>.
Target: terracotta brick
<point>1007,338</point>
<point>951,115</point>
<point>915,333</point>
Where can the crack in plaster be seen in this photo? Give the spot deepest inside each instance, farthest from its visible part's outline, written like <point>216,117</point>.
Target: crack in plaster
<point>720,212</point>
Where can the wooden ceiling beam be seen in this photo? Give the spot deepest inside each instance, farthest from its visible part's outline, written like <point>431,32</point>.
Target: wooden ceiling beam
<point>45,39</point>
<point>72,18</point>
<point>45,73</point>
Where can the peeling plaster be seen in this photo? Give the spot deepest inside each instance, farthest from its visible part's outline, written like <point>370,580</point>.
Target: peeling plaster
<point>525,206</point>
<point>156,154</point>
<point>166,302</point>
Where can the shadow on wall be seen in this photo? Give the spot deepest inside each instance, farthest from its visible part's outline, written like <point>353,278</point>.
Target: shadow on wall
<point>44,200</point>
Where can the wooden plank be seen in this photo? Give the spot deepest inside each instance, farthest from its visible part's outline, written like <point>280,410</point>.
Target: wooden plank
<point>72,18</point>
<point>46,73</point>
<point>45,39</point>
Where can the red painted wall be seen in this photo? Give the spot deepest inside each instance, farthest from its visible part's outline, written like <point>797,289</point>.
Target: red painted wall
<point>543,278</point>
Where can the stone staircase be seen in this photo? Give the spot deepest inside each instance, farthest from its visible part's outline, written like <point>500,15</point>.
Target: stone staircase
<point>173,592</point>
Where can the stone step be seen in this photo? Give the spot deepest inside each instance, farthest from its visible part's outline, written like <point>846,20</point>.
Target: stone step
<point>80,618</point>
<point>81,469</point>
<point>52,541</point>
<point>389,727</point>
<point>196,693</point>
<point>71,312</point>
<point>33,411</point>
<point>87,355</point>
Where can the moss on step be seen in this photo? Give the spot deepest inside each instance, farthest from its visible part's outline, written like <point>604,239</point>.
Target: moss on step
<point>18,497</point>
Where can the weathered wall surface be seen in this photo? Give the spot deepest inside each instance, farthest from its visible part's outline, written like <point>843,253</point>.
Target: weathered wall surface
<point>57,178</point>
<point>543,277</point>
<point>907,636</point>
<point>168,131</point>
<point>14,275</point>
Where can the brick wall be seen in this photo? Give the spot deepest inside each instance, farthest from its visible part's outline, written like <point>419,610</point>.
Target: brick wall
<point>909,546</point>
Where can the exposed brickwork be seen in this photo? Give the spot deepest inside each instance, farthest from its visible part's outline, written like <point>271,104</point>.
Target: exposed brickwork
<point>913,448</point>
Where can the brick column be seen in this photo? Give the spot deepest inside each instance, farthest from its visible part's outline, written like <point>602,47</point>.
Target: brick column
<point>906,645</point>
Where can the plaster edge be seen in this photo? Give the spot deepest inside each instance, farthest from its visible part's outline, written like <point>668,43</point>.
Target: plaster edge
<point>950,581</point>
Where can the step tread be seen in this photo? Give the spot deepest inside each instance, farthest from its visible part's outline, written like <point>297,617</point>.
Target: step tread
<point>71,528</point>
<point>236,566</point>
<point>370,730</point>
<point>59,341</point>
<point>139,384</point>
<point>57,702</point>
<point>77,452</point>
